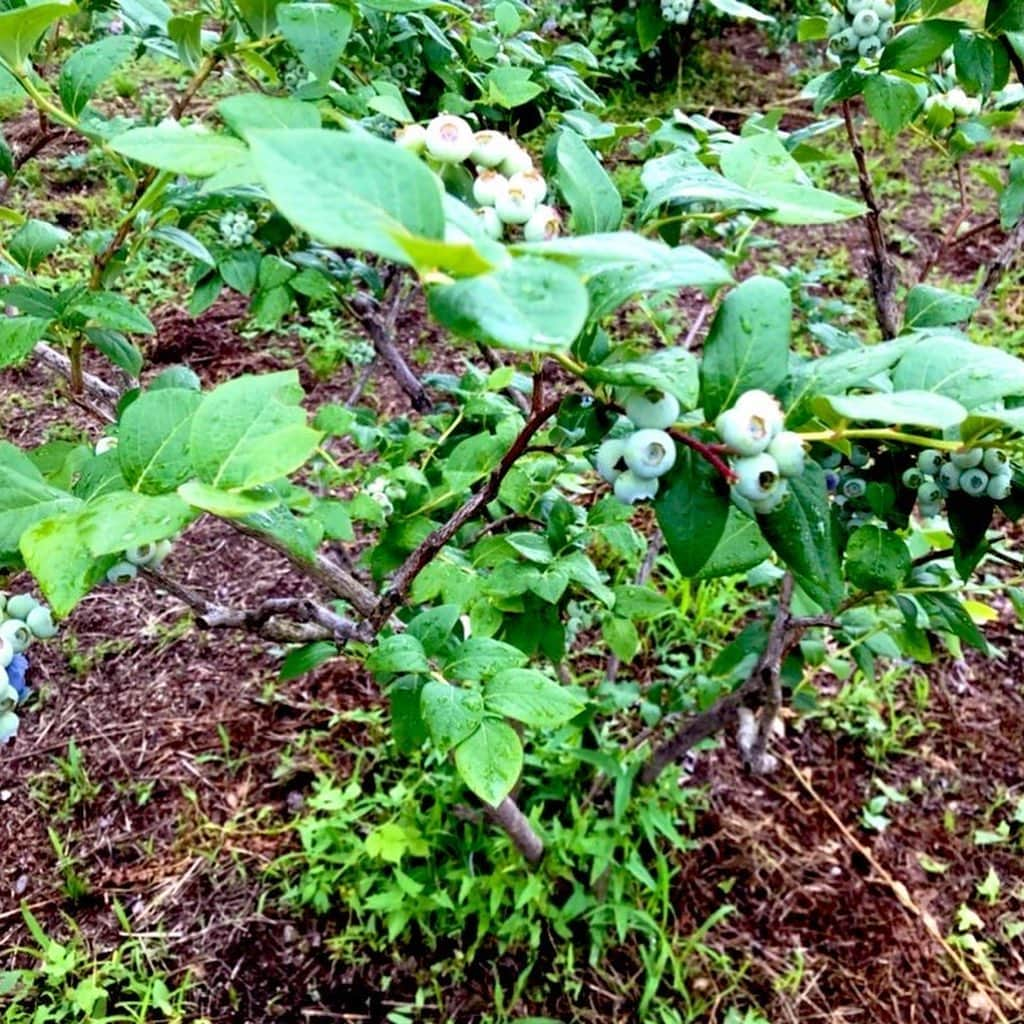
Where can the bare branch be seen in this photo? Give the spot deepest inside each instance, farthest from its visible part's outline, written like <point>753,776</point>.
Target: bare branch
<point>98,398</point>
<point>769,667</point>
<point>1004,260</point>
<point>881,272</point>
<point>512,820</point>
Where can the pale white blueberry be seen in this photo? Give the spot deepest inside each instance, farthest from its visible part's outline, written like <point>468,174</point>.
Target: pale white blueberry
<point>544,224</point>
<point>531,182</point>
<point>787,448</point>
<point>490,148</point>
<point>7,652</point>
<point>866,22</point>
<point>122,572</point>
<point>773,501</point>
<point>488,186</point>
<point>995,461</point>
<point>949,476</point>
<point>609,460</point>
<point>913,478</point>
<point>999,487</point>
<point>412,137</point>
<point>20,605</point>
<point>650,453</point>
<point>929,461</point>
<point>929,493</point>
<point>870,47</point>
<point>968,458</point>
<point>885,10</point>
<point>514,206</point>
<point>40,623</point>
<point>105,444</point>
<point>630,488</point>
<point>490,222</point>
<point>961,104</point>
<point>763,405</point>
<point>449,139</point>
<point>516,160</point>
<point>974,481</point>
<point>655,409</point>
<point>757,476</point>
<point>16,633</point>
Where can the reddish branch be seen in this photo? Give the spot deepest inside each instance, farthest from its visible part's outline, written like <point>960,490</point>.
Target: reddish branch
<point>881,272</point>
<point>424,554</point>
<point>711,453</point>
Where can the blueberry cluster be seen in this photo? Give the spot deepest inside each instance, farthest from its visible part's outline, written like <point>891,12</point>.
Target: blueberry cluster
<point>145,556</point>
<point>295,76</point>
<point>633,464</point>
<point>860,29</point>
<point>765,454</point>
<point>977,472</point>
<point>508,189</point>
<point>22,620</point>
<point>236,228</point>
<point>844,479</point>
<point>677,12</point>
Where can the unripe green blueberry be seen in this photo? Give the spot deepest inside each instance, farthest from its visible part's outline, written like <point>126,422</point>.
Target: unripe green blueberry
<point>163,549</point>
<point>514,206</point>
<point>122,572</point>
<point>757,476</point>
<point>854,487</point>
<point>630,488</point>
<point>7,652</point>
<point>488,186</point>
<point>836,24</point>
<point>544,224</point>
<point>886,30</point>
<point>742,433</point>
<point>609,461</point>
<point>929,493</point>
<point>412,137</point>
<point>17,633</point>
<point>831,459</point>
<point>20,605</point>
<point>40,622</point>
<point>870,47</point>
<point>968,458</point>
<point>865,23</point>
<point>949,477</point>
<point>773,501</point>
<point>885,10</point>
<point>846,41</point>
<point>999,487</point>
<point>141,555</point>
<point>516,160</point>
<point>929,461</point>
<point>913,478</point>
<point>490,222</point>
<point>8,724</point>
<point>928,509</point>
<point>656,410</point>
<point>787,449</point>
<point>859,456</point>
<point>995,461</point>
<point>449,139</point>
<point>650,453</point>
<point>974,481</point>
<point>490,148</point>
<point>764,406</point>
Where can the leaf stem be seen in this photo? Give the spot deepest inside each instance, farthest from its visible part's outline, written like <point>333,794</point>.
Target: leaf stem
<point>883,434</point>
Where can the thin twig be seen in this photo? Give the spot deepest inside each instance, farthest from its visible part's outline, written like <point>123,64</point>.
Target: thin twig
<point>769,668</point>
<point>1005,259</point>
<point>711,453</point>
<point>948,239</point>
<point>881,272</point>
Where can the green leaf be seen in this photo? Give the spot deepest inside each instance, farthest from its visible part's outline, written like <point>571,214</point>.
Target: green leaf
<point>741,548</point>
<point>398,654</point>
<point>531,305</point>
<point>107,309</point>
<point>18,337</point>
<point>25,497</point>
<point>349,190</point>
<point>748,345</point>
<point>89,67</point>
<point>117,348</point>
<point>34,241</point>
<point>738,9</point>
<point>975,56</point>
<point>450,712</point>
<point>593,198</point>
<point>920,44</point>
<point>936,307</point>
<point>21,28</point>
<point>681,178</point>
<point>317,32</point>
<point>946,613</point>
<point>185,241</point>
<point>259,15</point>
<point>532,698</point>
<point>251,430</point>
<point>306,658</point>
<point>621,636</point>
<point>762,164</point>
<point>511,86</point>
<point>186,32</point>
<point>672,370</point>
<point>172,147</point>
<point>124,519</point>
<point>892,102</point>
<point>1004,16</point>
<point>154,439</point>
<point>876,559</point>
<point>490,760</point>
<point>916,408</point>
<point>801,533</point>
<point>479,656</point>
<point>252,112</point>
<point>692,508</point>
<point>62,564</point>
<point>973,375</point>
<point>435,628</point>
<point>226,504</point>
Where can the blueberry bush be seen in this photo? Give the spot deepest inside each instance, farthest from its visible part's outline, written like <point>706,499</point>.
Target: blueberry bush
<point>334,162</point>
